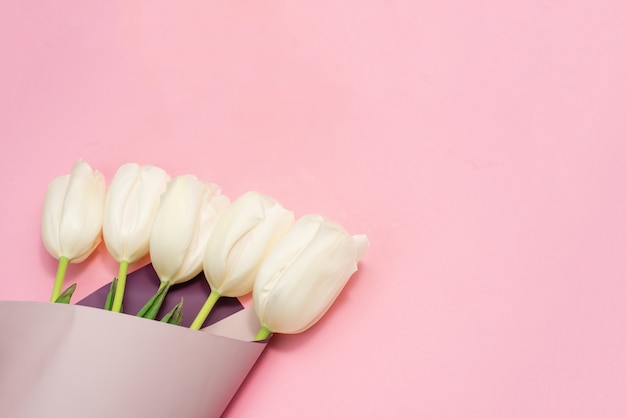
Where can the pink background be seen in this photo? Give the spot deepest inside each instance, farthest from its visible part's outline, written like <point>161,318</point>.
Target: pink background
<point>480,145</point>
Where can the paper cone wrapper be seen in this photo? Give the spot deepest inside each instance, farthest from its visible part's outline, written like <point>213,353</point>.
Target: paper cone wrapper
<point>78,361</point>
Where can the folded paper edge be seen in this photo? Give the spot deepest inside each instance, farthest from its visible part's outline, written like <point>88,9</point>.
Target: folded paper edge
<point>42,345</point>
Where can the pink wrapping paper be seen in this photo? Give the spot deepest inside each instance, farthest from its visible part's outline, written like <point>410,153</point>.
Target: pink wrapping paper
<point>80,361</point>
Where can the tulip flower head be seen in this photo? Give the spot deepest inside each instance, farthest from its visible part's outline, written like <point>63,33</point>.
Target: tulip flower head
<point>131,204</point>
<point>183,224</point>
<point>130,207</point>
<point>242,238</point>
<point>71,222</point>
<point>188,213</point>
<point>303,275</point>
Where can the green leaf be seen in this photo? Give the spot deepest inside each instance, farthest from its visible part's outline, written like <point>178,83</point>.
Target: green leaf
<point>112,289</point>
<point>66,295</point>
<point>151,308</point>
<point>175,316</point>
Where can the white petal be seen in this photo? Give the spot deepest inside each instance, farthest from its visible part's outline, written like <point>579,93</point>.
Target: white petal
<point>181,227</point>
<point>213,206</point>
<point>241,240</point>
<point>116,218</point>
<point>80,226</point>
<point>303,275</point>
<point>362,244</point>
<point>131,205</point>
<point>174,225</point>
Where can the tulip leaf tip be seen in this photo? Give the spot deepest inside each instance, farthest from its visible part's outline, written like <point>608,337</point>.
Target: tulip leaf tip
<point>109,300</point>
<point>66,296</point>
<point>152,307</point>
<point>175,316</point>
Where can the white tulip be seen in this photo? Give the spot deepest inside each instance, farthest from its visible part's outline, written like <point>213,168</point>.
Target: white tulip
<point>300,279</point>
<point>72,213</point>
<point>242,238</point>
<point>71,221</point>
<point>131,204</point>
<point>187,215</point>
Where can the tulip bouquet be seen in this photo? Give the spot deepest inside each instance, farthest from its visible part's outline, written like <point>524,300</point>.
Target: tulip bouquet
<point>205,253</point>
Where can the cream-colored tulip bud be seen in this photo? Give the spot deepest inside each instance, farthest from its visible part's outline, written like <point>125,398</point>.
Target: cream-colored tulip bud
<point>183,224</point>
<point>242,238</point>
<point>131,204</point>
<point>71,222</point>
<point>303,275</point>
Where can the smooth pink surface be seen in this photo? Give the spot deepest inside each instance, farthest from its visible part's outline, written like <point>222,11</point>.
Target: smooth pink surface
<point>480,145</point>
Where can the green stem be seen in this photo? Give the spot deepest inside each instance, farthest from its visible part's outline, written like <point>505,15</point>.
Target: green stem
<point>121,286</point>
<point>206,310</point>
<point>58,281</point>
<point>263,333</point>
